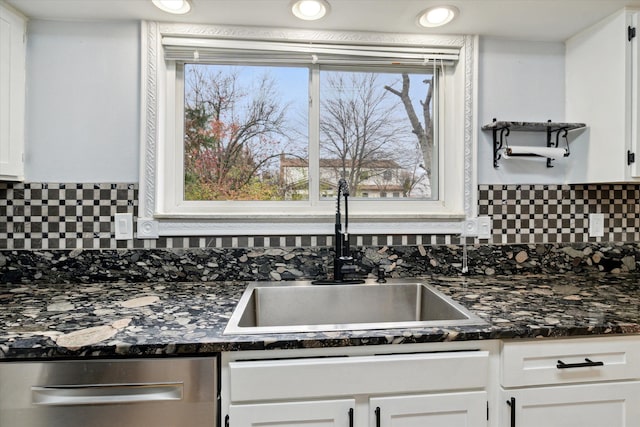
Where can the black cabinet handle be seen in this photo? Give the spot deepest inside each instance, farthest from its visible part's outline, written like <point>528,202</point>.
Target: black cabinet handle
<point>586,364</point>
<point>512,404</point>
<point>377,416</point>
<point>350,417</point>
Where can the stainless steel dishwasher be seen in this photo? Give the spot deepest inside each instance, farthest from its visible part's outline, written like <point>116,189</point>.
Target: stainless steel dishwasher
<point>170,392</point>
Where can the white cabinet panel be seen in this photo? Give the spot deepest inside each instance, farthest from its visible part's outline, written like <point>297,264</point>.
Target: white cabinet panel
<point>601,76</point>
<point>438,388</point>
<point>310,378</point>
<point>12,94</point>
<point>327,413</point>
<point>442,410</point>
<point>585,382</point>
<point>593,405</point>
<point>634,146</point>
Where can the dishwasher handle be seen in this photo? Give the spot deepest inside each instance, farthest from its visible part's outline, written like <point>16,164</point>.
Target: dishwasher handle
<point>96,394</point>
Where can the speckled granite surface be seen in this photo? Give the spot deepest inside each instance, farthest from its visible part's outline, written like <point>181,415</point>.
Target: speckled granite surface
<point>295,263</point>
<point>129,320</point>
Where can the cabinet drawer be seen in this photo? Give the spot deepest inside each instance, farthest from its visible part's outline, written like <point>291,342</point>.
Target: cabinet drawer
<point>567,361</point>
<point>348,376</point>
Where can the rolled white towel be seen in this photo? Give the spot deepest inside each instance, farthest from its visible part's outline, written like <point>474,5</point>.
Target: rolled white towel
<point>548,152</point>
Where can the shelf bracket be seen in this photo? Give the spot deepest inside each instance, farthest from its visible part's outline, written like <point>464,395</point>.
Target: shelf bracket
<point>554,140</point>
<point>499,137</point>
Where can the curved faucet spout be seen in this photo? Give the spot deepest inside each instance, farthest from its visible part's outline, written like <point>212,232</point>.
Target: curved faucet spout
<point>343,188</point>
<point>343,261</point>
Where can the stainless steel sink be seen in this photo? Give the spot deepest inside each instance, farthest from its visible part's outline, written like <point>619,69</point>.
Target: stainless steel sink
<point>303,307</point>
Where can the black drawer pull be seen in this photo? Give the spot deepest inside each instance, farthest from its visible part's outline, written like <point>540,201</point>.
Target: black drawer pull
<point>586,364</point>
<point>377,411</point>
<point>512,412</point>
<point>350,417</point>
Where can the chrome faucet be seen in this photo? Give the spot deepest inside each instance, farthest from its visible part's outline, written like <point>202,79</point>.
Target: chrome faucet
<point>343,261</point>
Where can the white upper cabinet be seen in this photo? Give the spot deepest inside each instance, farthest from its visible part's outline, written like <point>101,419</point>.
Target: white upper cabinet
<point>12,94</point>
<point>602,91</point>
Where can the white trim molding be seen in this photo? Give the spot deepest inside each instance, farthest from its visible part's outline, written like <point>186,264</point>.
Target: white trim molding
<point>149,119</point>
<point>154,220</point>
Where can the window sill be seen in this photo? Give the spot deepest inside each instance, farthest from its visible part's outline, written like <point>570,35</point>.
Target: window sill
<point>280,217</point>
<point>201,225</point>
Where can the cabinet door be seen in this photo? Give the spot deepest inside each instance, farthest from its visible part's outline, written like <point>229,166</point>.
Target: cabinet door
<point>634,148</point>
<point>593,405</point>
<point>441,410</point>
<point>12,93</point>
<point>599,92</point>
<point>326,413</point>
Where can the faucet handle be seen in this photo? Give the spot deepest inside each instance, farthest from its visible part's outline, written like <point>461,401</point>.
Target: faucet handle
<point>348,269</point>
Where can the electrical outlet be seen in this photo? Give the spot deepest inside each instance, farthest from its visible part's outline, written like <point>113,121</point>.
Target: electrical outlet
<point>479,227</point>
<point>124,226</point>
<point>596,225</point>
<point>484,227</point>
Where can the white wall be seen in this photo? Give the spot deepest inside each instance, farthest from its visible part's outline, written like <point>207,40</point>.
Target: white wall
<point>82,110</point>
<point>520,81</point>
<point>83,102</point>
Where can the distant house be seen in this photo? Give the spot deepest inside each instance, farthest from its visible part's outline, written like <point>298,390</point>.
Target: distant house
<point>376,178</point>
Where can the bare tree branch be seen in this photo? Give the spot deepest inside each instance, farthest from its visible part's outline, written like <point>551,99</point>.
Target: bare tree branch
<point>425,137</point>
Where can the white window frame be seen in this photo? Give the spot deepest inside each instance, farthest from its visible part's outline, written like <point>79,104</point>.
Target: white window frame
<point>161,214</point>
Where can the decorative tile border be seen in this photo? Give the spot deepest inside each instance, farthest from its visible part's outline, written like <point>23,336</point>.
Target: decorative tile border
<point>40,216</point>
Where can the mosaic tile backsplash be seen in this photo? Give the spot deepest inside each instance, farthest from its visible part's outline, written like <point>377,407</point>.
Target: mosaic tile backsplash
<point>560,213</point>
<point>36,216</point>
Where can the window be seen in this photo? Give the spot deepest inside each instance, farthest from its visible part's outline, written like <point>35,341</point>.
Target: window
<point>246,132</point>
<point>261,131</point>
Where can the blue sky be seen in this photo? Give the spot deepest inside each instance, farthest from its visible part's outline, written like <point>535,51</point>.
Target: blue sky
<point>293,90</point>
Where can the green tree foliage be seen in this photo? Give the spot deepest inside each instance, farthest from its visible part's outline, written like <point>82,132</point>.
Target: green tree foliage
<point>231,133</point>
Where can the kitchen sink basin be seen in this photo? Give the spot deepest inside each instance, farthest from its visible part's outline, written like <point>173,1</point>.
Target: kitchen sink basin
<point>303,307</point>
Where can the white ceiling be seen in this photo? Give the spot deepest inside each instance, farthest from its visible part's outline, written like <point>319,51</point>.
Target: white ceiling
<point>540,20</point>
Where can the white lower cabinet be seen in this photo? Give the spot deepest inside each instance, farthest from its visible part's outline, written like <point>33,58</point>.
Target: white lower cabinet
<point>325,413</point>
<point>592,405</point>
<point>581,382</point>
<point>438,410</point>
<point>441,410</point>
<point>569,382</point>
<point>357,389</point>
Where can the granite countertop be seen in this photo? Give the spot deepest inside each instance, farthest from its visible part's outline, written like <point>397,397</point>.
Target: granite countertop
<point>178,319</point>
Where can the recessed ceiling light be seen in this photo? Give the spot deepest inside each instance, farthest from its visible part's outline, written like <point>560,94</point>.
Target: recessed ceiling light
<point>309,10</point>
<point>437,16</point>
<point>178,7</point>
